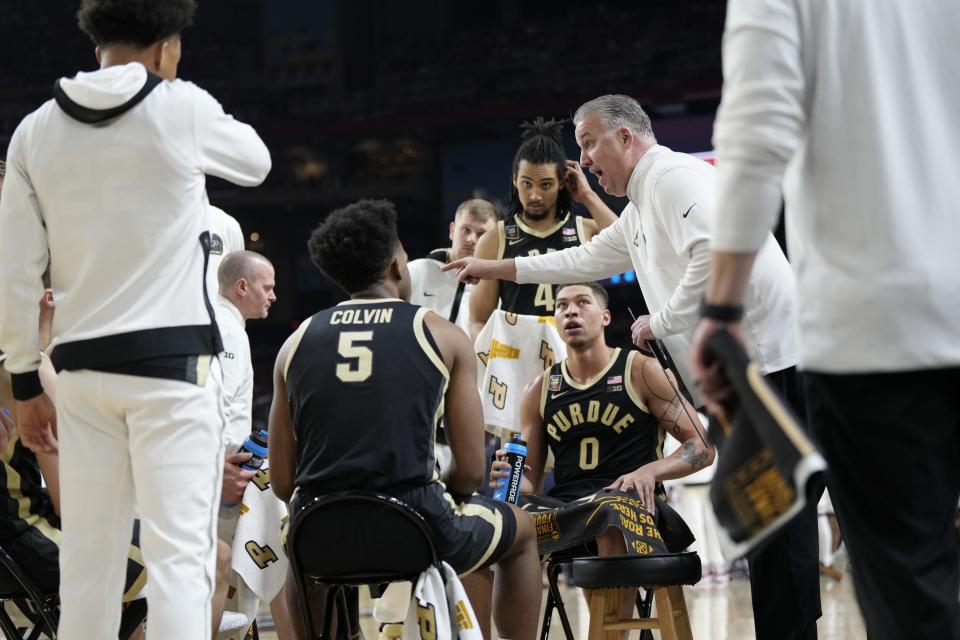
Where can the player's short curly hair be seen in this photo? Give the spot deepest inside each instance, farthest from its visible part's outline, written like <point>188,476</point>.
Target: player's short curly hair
<point>355,244</point>
<point>134,22</point>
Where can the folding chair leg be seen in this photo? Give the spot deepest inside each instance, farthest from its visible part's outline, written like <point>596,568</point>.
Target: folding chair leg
<point>7,626</point>
<point>37,631</point>
<point>344,613</point>
<point>41,615</point>
<point>329,613</point>
<point>304,593</point>
<point>553,573</point>
<point>644,609</point>
<point>547,615</point>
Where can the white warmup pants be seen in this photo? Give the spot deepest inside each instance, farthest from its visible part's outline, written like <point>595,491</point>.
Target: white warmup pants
<point>156,444</point>
<point>824,511</point>
<point>693,503</point>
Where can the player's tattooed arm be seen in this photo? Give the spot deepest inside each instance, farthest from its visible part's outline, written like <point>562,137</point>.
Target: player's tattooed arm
<point>695,456</point>
<point>670,409</point>
<point>673,414</point>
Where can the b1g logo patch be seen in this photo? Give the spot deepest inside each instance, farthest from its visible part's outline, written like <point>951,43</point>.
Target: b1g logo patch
<point>569,235</point>
<point>614,383</point>
<point>512,232</point>
<point>555,381</point>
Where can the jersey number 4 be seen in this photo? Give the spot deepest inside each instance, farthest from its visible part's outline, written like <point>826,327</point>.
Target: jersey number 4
<point>359,365</point>
<point>544,295</point>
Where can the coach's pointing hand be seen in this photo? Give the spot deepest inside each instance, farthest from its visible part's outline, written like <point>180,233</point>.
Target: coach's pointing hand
<point>473,270</point>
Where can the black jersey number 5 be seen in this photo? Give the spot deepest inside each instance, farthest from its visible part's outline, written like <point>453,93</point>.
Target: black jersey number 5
<point>359,365</point>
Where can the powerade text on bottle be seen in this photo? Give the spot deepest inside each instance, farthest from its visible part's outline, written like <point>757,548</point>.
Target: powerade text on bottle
<point>256,445</point>
<point>509,490</point>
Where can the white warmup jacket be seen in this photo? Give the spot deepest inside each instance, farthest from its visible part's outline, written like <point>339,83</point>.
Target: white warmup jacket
<point>237,370</point>
<point>437,290</point>
<point>226,236</point>
<point>664,235</point>
<point>108,180</point>
<point>851,109</point>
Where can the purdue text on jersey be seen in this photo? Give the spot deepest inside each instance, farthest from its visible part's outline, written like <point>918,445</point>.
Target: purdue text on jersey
<point>596,431</point>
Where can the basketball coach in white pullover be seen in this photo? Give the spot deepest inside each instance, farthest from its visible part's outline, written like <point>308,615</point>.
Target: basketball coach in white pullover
<point>106,182</point>
<point>851,109</point>
<point>664,234</point>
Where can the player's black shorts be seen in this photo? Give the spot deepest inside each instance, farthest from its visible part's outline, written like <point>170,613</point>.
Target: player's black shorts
<point>38,554</point>
<point>470,533</point>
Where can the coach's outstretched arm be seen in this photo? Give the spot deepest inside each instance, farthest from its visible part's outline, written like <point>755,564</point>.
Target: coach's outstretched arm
<point>605,255</point>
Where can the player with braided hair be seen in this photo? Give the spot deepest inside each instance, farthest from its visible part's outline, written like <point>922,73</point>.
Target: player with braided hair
<point>543,186</point>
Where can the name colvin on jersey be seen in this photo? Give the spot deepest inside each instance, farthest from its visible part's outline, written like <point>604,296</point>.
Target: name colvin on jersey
<point>361,316</point>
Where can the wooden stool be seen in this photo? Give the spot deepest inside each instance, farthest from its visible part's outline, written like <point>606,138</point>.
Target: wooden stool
<point>603,577</point>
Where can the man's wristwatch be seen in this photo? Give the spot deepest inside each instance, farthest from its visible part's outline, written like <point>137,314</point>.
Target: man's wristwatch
<point>721,312</point>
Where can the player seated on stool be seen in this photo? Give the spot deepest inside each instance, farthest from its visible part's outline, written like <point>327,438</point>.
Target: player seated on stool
<point>358,391</point>
<point>30,496</point>
<point>603,413</point>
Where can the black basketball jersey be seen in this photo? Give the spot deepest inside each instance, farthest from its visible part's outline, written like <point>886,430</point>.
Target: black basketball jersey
<point>366,384</point>
<point>24,502</point>
<point>596,431</point>
<point>518,240</point>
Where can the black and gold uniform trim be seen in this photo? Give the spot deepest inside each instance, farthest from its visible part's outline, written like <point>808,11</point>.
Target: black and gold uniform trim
<point>517,239</point>
<point>597,430</point>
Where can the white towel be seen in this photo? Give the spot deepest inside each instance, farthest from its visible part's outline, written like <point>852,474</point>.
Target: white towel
<point>440,612</point>
<point>259,562</point>
<point>511,351</point>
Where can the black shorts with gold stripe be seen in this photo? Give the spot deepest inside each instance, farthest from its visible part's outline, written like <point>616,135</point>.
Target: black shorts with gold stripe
<point>37,552</point>
<point>470,533</point>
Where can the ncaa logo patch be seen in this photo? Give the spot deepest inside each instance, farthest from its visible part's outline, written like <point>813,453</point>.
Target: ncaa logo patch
<point>555,381</point>
<point>512,232</point>
<point>569,235</point>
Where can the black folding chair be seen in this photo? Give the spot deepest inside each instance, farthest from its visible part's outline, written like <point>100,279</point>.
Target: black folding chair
<point>43,610</point>
<point>555,565</point>
<point>343,540</point>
